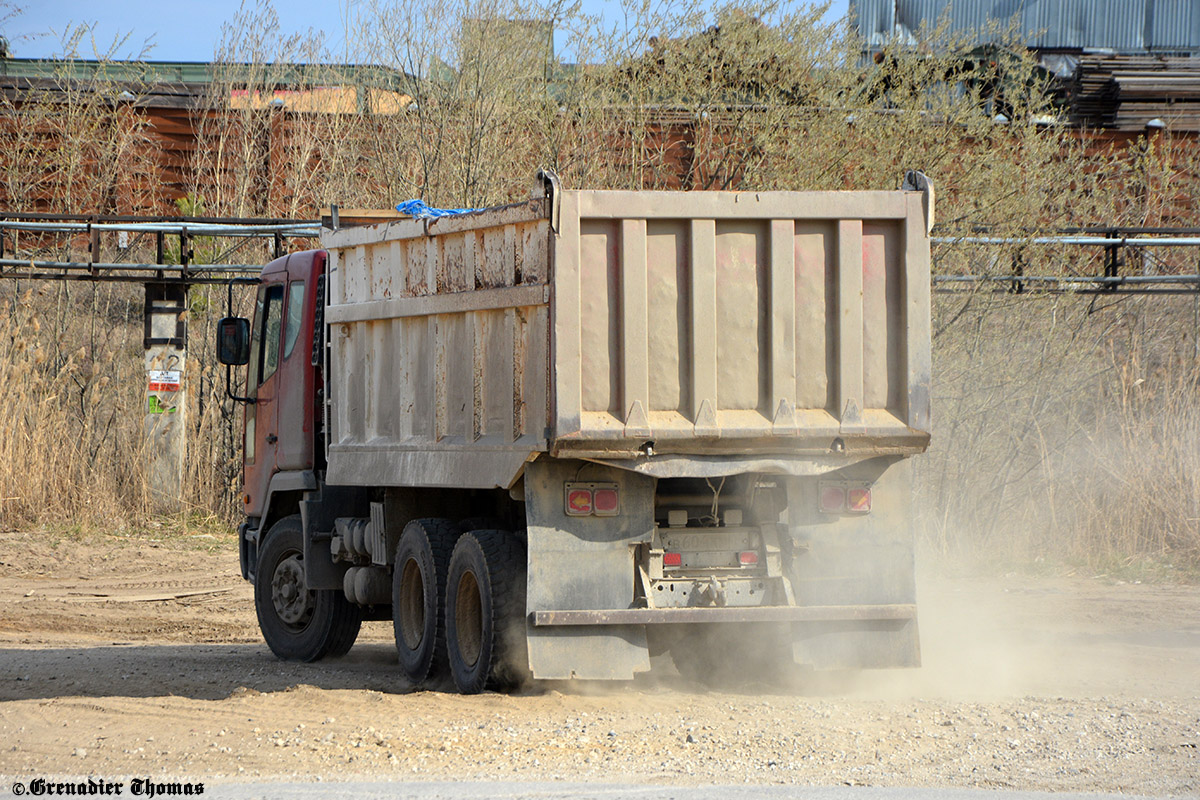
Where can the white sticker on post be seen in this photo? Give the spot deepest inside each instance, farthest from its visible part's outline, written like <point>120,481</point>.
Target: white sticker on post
<point>164,380</point>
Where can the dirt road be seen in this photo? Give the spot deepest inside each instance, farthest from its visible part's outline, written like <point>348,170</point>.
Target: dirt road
<point>109,669</point>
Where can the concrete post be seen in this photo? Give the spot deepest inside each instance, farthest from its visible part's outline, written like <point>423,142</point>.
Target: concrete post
<point>166,407</point>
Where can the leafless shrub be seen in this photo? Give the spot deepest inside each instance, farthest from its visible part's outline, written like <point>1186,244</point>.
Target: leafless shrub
<point>1063,423</point>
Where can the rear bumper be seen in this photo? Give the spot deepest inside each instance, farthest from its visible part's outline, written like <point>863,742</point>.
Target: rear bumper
<point>669,616</point>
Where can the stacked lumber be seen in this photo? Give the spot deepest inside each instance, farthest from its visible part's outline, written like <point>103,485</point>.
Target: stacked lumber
<point>1125,92</point>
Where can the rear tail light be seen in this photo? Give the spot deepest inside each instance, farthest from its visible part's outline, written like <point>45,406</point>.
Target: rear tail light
<point>748,558</point>
<point>833,498</point>
<point>841,497</point>
<point>579,502</point>
<point>858,501</point>
<point>592,499</point>
<point>672,559</point>
<point>606,502</point>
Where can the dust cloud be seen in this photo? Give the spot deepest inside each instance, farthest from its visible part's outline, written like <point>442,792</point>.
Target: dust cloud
<point>983,639</point>
<point>995,638</point>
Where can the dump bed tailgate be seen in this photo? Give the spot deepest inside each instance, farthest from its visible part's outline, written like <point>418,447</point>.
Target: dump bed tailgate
<point>740,323</point>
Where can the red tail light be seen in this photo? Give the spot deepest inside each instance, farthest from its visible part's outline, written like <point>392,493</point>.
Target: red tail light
<point>607,502</point>
<point>672,560</point>
<point>592,499</point>
<point>833,498</point>
<point>579,502</point>
<point>844,497</point>
<point>748,558</point>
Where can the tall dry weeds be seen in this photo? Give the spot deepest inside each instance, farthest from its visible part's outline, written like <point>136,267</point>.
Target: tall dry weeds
<point>71,385</point>
<point>1063,424</point>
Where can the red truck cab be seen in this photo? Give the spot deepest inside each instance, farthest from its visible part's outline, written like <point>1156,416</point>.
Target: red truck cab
<point>284,384</point>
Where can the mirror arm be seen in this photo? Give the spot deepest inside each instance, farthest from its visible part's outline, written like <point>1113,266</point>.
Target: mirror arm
<point>229,287</point>
<point>229,392</point>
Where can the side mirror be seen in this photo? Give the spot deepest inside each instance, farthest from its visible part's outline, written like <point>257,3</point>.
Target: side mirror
<point>233,341</point>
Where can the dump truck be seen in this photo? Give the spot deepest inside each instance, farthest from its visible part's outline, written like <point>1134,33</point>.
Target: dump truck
<point>554,439</point>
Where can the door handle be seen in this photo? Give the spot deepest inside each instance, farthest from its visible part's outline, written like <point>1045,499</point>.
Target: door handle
<point>272,438</point>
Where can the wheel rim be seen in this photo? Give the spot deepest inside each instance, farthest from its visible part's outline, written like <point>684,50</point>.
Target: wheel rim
<point>294,602</point>
<point>412,605</point>
<point>468,619</point>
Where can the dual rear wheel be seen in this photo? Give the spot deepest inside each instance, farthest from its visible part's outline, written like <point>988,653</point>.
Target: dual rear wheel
<point>458,605</point>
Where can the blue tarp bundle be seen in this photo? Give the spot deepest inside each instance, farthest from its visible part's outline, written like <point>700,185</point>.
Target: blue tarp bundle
<point>417,209</point>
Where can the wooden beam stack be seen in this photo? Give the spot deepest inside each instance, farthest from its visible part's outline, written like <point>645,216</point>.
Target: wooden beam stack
<point>1125,92</point>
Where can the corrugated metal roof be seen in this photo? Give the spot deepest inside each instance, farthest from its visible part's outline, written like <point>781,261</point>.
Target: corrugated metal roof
<point>1125,26</point>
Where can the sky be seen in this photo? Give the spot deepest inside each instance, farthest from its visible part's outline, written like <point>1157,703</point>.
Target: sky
<point>174,30</point>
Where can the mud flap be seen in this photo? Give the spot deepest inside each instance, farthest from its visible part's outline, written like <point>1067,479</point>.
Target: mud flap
<point>317,513</point>
<point>584,563</point>
<point>247,548</point>
<point>856,559</point>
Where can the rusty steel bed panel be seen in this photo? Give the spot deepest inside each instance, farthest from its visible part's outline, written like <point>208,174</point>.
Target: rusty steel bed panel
<point>439,337</point>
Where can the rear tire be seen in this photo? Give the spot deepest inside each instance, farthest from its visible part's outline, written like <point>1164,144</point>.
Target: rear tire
<point>298,623</point>
<point>692,656</point>
<point>485,612</point>
<point>728,657</point>
<point>419,597</point>
<point>479,524</point>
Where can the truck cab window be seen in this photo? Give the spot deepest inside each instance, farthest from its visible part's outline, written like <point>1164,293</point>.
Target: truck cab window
<point>295,316</point>
<point>256,342</point>
<point>271,330</point>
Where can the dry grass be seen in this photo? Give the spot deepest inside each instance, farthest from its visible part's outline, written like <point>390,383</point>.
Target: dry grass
<point>72,382</point>
<point>1063,429</point>
<point>71,385</point>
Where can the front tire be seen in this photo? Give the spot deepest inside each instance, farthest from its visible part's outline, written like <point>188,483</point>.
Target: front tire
<point>298,623</point>
<point>485,612</point>
<point>419,597</point>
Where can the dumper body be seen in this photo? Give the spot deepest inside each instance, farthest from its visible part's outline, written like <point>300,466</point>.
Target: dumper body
<point>689,415</point>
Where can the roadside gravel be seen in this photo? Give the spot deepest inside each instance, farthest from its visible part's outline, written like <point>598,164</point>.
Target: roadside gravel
<point>108,669</point>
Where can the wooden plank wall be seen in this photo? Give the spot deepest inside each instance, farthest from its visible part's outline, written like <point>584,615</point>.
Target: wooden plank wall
<point>160,170</point>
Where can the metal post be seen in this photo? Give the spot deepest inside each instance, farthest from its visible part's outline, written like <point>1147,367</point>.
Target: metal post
<point>93,247</point>
<point>165,344</point>
<point>185,250</point>
<point>160,241</point>
<point>1018,269</point>
<point>1112,260</point>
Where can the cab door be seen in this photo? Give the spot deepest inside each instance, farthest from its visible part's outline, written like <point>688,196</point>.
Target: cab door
<point>262,416</point>
<point>297,374</point>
